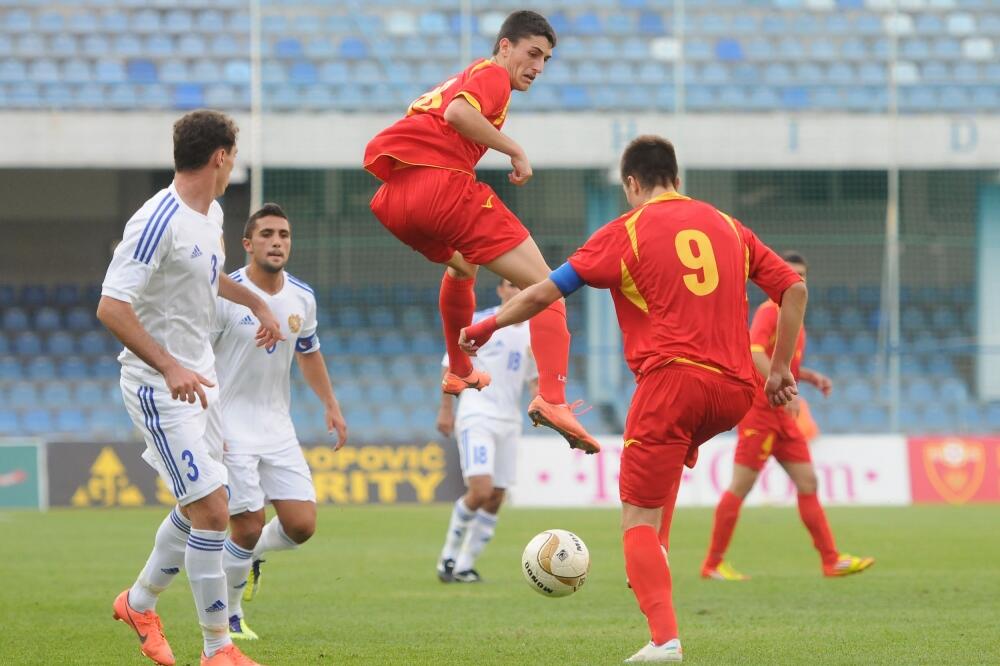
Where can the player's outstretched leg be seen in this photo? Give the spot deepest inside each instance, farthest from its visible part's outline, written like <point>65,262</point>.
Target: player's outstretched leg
<point>525,266</point>
<point>649,575</point>
<point>457,303</point>
<point>136,607</point>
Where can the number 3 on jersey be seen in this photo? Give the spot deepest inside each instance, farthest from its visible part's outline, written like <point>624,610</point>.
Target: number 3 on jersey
<point>705,278</point>
<point>430,100</point>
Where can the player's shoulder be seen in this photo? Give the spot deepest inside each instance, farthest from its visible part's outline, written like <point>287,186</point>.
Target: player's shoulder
<point>215,212</point>
<point>238,275</point>
<point>157,206</point>
<point>301,288</point>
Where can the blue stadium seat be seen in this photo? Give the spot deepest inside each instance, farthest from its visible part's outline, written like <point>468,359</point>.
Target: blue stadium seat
<point>856,391</point>
<point>953,391</point>
<point>40,368</point>
<point>74,367</point>
<point>913,319</point>
<point>229,46</point>
<point>832,344</point>
<point>141,71</point>
<point>863,343</point>
<point>27,343</point>
<point>10,368</point>
<point>32,296</point>
<point>106,367</point>
<point>55,395</point>
<point>189,96</point>
<point>47,319</point>
<point>178,21</point>
<point>392,343</point>
<point>60,343</point>
<point>943,318</point>
<point>145,21</point>
<point>381,393</point>
<point>840,418</point>
<point>353,49</point>
<point>851,319</point>
<point>65,295</point>
<point>9,424</point>
<point>111,423</point>
<point>359,342</point>
<point>209,21</point>
<point>651,23</point>
<point>5,347</point>
<point>88,394</point>
<point>920,390</point>
<point>36,422</point>
<point>971,418</point>
<point>23,396</point>
<point>402,368</point>
<point>819,318</point>
<point>128,46</point>
<point>414,318</point>
<point>349,317</point>
<point>425,343</point>
<point>381,317</point>
<point>937,419</point>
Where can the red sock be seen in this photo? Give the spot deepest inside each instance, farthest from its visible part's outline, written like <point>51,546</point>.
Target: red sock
<point>815,521</point>
<point>457,303</point>
<point>649,576</point>
<point>668,515</point>
<point>722,529</point>
<point>550,345</point>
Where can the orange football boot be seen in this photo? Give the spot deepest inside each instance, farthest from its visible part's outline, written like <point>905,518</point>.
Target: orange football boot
<point>149,628</point>
<point>453,384</point>
<point>562,419</point>
<point>228,656</point>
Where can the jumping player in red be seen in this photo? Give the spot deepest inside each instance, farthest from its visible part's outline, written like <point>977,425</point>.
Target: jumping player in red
<point>768,431</point>
<point>677,270</point>
<point>430,199</point>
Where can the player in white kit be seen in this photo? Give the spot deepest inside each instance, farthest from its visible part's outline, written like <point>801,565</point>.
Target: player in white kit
<point>487,428</point>
<point>158,298</point>
<point>262,454</point>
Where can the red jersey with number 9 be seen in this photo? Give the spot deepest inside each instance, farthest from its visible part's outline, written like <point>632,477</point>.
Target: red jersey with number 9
<point>424,137</point>
<point>677,270</point>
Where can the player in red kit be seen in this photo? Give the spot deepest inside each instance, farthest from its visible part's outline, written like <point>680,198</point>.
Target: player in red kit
<point>768,431</point>
<point>677,270</point>
<point>430,199</point>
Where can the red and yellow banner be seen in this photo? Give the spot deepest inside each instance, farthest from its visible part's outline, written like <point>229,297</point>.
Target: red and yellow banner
<point>955,469</point>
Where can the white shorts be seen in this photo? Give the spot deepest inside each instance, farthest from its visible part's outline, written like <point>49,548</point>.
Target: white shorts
<point>488,447</point>
<point>255,478</point>
<point>183,441</point>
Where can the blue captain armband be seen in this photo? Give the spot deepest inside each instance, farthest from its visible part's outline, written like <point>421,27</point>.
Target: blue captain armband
<point>567,279</point>
<point>306,344</point>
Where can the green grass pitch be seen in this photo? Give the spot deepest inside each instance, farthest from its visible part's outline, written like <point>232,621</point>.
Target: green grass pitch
<point>364,592</point>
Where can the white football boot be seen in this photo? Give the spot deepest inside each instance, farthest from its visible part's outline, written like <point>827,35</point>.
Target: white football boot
<point>670,651</point>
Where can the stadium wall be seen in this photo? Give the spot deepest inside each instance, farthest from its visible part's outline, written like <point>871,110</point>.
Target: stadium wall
<point>582,140</point>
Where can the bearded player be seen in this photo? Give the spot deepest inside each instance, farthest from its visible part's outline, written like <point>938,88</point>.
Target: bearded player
<point>430,200</point>
<point>768,431</point>
<point>677,270</point>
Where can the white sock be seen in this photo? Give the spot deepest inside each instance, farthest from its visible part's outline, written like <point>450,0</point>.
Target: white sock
<point>164,563</point>
<point>479,535</point>
<point>273,537</point>
<point>461,516</point>
<point>236,562</point>
<point>203,561</point>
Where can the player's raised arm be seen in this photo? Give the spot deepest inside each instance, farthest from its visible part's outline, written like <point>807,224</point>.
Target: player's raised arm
<point>270,330</point>
<point>473,125</point>
<point>520,308</point>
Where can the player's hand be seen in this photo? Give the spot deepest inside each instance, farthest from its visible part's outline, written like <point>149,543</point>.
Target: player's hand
<point>186,385</point>
<point>794,407</point>
<point>446,421</point>
<point>780,387</point>
<point>335,423</point>
<point>522,172</point>
<point>823,383</point>
<point>473,337</point>
<point>269,332</point>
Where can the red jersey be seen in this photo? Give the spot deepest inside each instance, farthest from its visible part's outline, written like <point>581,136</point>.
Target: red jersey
<point>424,137</point>
<point>763,333</point>
<point>677,270</point>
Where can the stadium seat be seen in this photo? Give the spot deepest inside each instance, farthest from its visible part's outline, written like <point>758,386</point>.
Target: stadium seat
<point>60,343</point>
<point>392,343</point>
<point>88,393</point>
<point>56,395</point>
<point>106,367</point>
<point>10,368</point>
<point>27,343</point>
<point>871,418</point>
<point>9,424</point>
<point>370,367</point>
<point>36,422</point>
<point>937,419</point>
<point>74,367</point>
<point>920,390</point>
<point>110,423</point>
<point>23,396</point>
<point>5,346</point>
<point>953,391</point>
<point>426,344</point>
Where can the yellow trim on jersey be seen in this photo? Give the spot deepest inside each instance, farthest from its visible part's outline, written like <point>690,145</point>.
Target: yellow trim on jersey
<point>470,99</point>
<point>739,239</point>
<point>757,348</point>
<point>667,196</point>
<point>503,114</point>
<point>630,291</point>
<point>413,164</point>
<point>630,229</point>
<point>687,361</point>
<point>480,65</point>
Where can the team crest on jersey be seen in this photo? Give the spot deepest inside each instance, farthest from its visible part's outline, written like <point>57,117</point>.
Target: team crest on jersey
<point>295,323</point>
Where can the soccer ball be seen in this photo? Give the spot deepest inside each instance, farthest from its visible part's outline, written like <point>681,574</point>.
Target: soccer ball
<point>555,563</point>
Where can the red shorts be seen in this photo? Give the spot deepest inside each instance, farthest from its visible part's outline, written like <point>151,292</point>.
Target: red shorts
<point>440,211</point>
<point>766,432</point>
<point>675,410</point>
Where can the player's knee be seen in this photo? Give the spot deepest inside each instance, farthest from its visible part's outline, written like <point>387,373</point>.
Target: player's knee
<point>481,497</point>
<point>807,483</point>
<point>300,530</point>
<point>210,512</point>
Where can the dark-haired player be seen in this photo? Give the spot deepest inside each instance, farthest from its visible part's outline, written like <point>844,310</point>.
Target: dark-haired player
<point>430,199</point>
<point>677,270</point>
<point>768,431</point>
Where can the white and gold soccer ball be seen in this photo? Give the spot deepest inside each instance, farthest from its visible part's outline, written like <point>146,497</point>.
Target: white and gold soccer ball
<point>555,563</point>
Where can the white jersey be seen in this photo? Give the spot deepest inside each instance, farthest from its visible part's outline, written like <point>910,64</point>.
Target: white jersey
<point>167,266</point>
<point>507,358</point>
<point>254,383</point>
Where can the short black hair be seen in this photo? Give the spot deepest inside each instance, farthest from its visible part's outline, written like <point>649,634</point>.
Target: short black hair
<point>267,210</point>
<point>651,160</point>
<point>523,24</point>
<point>199,134</point>
<point>794,257</point>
